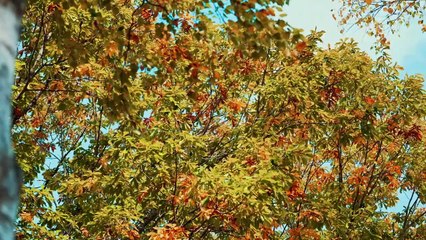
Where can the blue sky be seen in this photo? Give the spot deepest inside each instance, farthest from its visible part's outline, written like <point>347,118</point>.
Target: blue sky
<point>408,49</point>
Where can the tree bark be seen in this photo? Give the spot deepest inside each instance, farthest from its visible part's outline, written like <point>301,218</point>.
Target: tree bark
<point>10,16</point>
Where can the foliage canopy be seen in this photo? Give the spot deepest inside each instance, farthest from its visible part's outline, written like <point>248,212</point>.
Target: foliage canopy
<point>380,17</point>
<point>157,120</point>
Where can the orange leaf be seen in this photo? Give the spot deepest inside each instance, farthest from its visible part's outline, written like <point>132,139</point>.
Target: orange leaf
<point>236,105</point>
<point>264,154</point>
<point>369,2</point>
<point>84,70</point>
<point>295,191</point>
<point>369,100</point>
<point>359,140</point>
<point>85,232</point>
<point>112,48</point>
<point>132,234</point>
<point>142,195</point>
<point>216,75</point>
<point>358,114</point>
<point>57,85</point>
<point>26,216</point>
<point>301,46</point>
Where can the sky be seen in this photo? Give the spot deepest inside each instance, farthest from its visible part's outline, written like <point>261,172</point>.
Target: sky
<point>407,50</point>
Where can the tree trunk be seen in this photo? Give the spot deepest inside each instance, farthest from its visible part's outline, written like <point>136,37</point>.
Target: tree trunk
<point>10,16</point>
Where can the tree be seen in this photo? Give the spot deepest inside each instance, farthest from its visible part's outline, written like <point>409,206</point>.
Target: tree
<point>10,14</point>
<point>150,120</point>
<point>381,16</point>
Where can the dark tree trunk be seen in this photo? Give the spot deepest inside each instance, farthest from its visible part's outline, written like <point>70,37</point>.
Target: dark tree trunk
<point>10,16</point>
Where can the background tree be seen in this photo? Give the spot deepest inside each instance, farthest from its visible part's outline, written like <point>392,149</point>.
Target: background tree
<point>10,14</point>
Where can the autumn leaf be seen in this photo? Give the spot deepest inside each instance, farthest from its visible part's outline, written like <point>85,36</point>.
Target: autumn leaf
<point>216,75</point>
<point>84,70</point>
<point>358,114</point>
<point>359,140</point>
<point>133,235</point>
<point>57,85</point>
<point>311,215</point>
<point>295,191</point>
<point>264,154</point>
<point>369,100</point>
<point>55,7</point>
<point>26,216</point>
<point>301,46</point>
<point>236,105</point>
<point>142,195</point>
<point>414,133</point>
<point>85,232</point>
